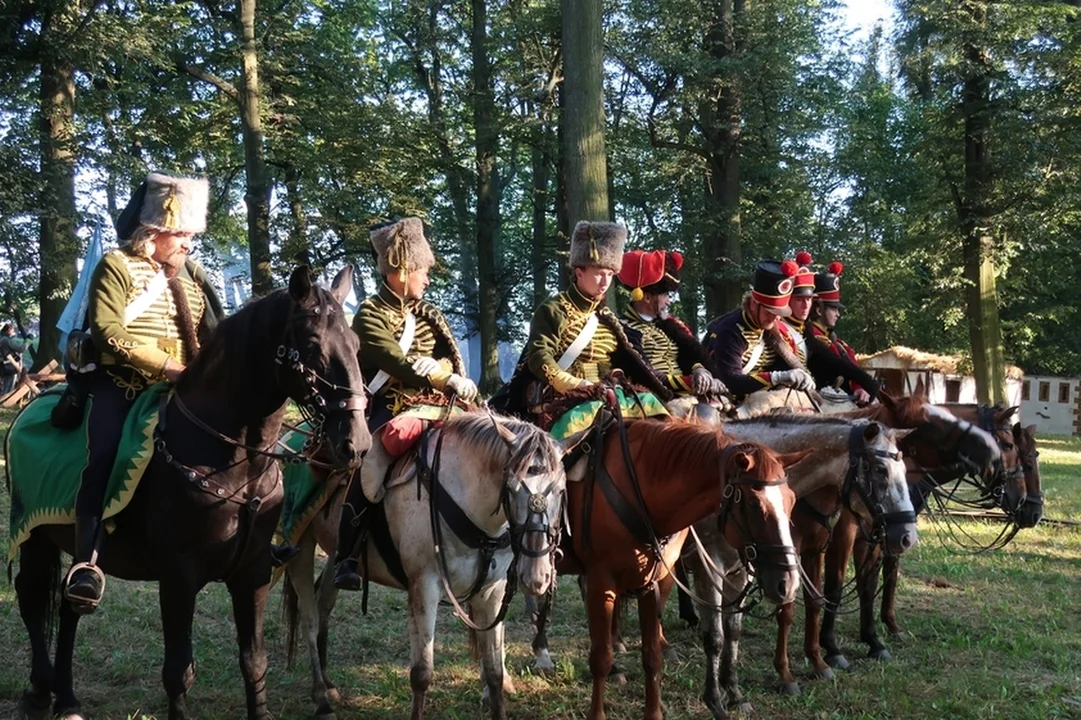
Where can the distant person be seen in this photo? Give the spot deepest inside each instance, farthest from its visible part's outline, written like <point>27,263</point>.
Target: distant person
<point>11,353</point>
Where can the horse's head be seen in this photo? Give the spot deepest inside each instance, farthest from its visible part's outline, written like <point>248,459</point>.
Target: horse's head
<point>945,440</point>
<point>876,487</point>
<point>319,366</point>
<point>1010,475</point>
<point>534,493</point>
<point>755,516</point>
<point>1031,510</point>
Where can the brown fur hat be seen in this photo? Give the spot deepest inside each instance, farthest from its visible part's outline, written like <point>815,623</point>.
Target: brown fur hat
<point>598,243</point>
<point>401,247</point>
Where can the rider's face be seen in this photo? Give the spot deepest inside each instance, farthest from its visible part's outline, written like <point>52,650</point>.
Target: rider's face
<point>831,314</point>
<point>763,317</point>
<point>172,248</point>
<point>801,306</point>
<point>593,281</point>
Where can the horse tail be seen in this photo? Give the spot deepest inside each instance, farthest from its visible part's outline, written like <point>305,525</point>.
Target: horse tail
<point>291,613</point>
<point>41,577</point>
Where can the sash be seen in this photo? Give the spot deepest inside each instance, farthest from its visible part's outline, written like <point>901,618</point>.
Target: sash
<point>756,353</point>
<point>579,344</point>
<point>798,339</point>
<point>141,304</point>
<point>405,342</point>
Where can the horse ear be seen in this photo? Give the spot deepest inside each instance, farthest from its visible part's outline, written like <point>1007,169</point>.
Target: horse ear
<point>871,431</point>
<point>1030,430</point>
<point>1007,413</point>
<point>899,435</point>
<point>343,283</point>
<point>789,459</point>
<point>744,461</point>
<point>300,283</point>
<point>886,399</point>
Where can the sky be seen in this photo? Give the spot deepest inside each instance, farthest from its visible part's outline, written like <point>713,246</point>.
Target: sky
<point>861,15</point>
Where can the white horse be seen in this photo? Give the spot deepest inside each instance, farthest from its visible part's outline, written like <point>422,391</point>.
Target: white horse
<point>767,402</point>
<point>507,479</point>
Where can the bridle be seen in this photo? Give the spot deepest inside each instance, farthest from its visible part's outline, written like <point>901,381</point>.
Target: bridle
<point>864,463</point>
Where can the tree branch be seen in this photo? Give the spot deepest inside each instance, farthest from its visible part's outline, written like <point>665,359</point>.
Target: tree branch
<point>206,76</point>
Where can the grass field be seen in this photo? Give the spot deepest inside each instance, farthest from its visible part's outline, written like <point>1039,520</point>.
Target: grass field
<point>991,636</point>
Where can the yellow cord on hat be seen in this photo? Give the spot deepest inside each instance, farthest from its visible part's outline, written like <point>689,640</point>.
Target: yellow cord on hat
<point>171,208</point>
<point>396,256</point>
<point>594,254</point>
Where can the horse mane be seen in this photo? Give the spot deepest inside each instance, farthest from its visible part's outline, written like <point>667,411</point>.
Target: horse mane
<point>795,419</point>
<point>480,437</point>
<point>908,411</point>
<point>669,445</point>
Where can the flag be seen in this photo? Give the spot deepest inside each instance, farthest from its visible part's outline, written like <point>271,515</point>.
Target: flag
<point>75,312</point>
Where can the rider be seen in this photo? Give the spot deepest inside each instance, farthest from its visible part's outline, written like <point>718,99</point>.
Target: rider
<point>824,365</point>
<point>576,341</point>
<point>148,307</point>
<point>825,311</point>
<point>674,352</point>
<point>749,346</point>
<point>407,353</point>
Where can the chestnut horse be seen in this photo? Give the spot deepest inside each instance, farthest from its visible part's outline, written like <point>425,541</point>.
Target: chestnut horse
<point>653,480</point>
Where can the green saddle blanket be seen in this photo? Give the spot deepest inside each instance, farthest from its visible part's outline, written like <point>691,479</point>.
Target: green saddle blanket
<point>580,417</point>
<point>305,495</point>
<point>45,463</point>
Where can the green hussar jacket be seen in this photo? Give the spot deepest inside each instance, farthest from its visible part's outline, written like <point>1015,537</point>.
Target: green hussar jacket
<point>379,323</point>
<point>150,339</point>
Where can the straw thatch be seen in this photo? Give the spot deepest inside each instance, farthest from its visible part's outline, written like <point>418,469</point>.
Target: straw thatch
<point>900,357</point>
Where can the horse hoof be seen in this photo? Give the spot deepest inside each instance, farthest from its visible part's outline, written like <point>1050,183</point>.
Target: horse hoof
<point>542,663</point>
<point>619,648</point>
<point>790,689</point>
<point>670,655</point>
<point>32,709</point>
<point>747,709</point>
<point>823,674</point>
<point>838,662</point>
<point>334,696</point>
<point>508,685</point>
<point>883,655</point>
<point>616,677</point>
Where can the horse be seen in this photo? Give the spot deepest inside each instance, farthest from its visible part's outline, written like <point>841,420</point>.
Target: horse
<point>945,444</point>
<point>499,488</point>
<point>1030,512</point>
<point>656,479</point>
<point>853,464</point>
<point>207,505</point>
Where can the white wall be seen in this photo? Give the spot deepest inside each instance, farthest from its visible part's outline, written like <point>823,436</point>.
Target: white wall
<point>1050,416</point>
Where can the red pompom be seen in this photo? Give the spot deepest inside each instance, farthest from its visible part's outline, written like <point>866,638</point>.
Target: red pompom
<point>803,258</point>
<point>789,268</point>
<point>677,259</point>
<point>836,268</point>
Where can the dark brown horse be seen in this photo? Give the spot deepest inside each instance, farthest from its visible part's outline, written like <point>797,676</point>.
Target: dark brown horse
<point>209,500</point>
<point>683,473</point>
<point>941,449</point>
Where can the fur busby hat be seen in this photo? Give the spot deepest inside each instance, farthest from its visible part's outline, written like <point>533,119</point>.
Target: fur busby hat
<point>654,272</point>
<point>401,247</point>
<point>167,203</point>
<point>773,285</point>
<point>804,285</point>
<point>598,243</point>
<point>828,285</point>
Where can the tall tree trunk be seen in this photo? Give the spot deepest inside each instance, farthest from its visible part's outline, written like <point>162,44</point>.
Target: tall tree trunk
<point>689,287</point>
<point>988,362</point>
<point>722,122</point>
<point>487,143</point>
<point>584,162</point>
<point>298,250</point>
<point>257,193</point>
<point>58,245</point>
<point>541,173</point>
<point>563,225</point>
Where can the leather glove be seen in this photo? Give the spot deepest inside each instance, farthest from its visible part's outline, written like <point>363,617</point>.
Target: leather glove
<point>717,388</point>
<point>797,379</point>
<point>465,388</point>
<point>701,381</point>
<point>425,366</point>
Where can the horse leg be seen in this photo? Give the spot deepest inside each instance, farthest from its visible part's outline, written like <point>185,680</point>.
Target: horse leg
<point>249,594</point>
<point>615,675</point>
<point>542,660</point>
<point>686,605</point>
<point>665,590</point>
<point>36,587</point>
<point>65,704</point>
<point>300,573</point>
<point>867,584</point>
<point>812,565</point>
<point>891,572</point>
<point>176,598</point>
<point>837,556</point>
<point>712,637</point>
<point>326,599</point>
<point>652,657</point>
<point>424,595</point>
<point>600,606</point>
<point>489,645</point>
<point>733,632</point>
<point>785,615</point>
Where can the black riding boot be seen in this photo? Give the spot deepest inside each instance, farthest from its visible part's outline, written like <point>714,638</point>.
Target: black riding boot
<point>346,575</point>
<point>282,554</point>
<point>86,583</point>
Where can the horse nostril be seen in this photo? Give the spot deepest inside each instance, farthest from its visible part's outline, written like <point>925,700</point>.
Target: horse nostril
<point>782,588</point>
<point>906,540</point>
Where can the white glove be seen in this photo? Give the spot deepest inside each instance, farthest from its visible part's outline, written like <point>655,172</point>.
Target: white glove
<point>425,366</point>
<point>465,388</point>
<point>701,381</point>
<point>862,396</point>
<point>830,390</point>
<point>717,388</point>
<point>797,379</point>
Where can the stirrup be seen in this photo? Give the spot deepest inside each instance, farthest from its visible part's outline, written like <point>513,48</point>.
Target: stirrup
<point>80,604</point>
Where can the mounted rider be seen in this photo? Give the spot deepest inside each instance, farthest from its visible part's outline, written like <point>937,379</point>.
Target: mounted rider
<point>148,307</point>
<point>748,346</point>
<point>824,314</point>
<point>669,346</point>
<point>825,366</point>
<point>576,342</point>
<point>408,354</point>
